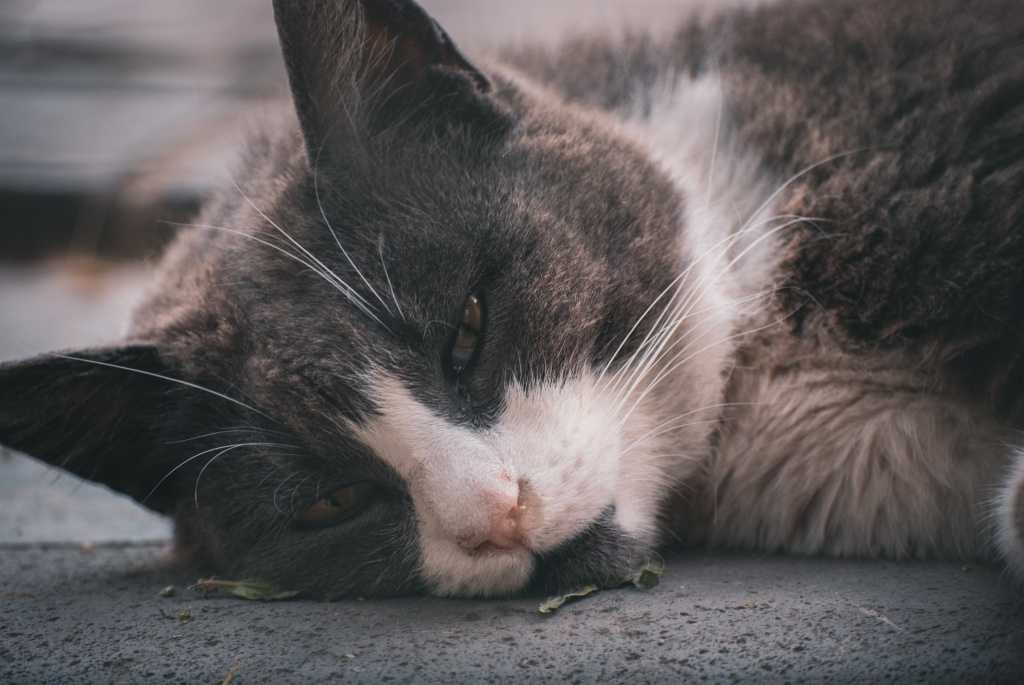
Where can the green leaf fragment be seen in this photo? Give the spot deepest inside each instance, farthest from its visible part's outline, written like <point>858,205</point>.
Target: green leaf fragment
<point>552,604</point>
<point>644,578</point>
<point>649,575</point>
<point>255,590</point>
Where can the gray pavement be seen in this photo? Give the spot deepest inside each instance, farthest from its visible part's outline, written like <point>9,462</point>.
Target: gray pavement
<point>94,615</point>
<point>62,305</point>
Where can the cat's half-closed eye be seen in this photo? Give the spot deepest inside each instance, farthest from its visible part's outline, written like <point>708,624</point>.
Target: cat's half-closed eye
<point>337,506</point>
<point>468,334</point>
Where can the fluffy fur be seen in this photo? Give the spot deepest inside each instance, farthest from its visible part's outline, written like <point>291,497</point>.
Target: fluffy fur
<point>754,283</point>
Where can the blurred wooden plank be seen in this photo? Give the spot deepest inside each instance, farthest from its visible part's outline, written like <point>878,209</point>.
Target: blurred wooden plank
<point>97,94</point>
<point>103,98</point>
<point>92,90</point>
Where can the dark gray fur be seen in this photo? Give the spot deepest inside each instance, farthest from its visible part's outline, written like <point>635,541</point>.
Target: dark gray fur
<point>456,179</point>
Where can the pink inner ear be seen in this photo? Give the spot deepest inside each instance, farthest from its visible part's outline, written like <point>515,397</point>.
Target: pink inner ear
<point>411,41</point>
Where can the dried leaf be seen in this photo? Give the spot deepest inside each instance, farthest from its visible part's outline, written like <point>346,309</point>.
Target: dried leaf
<point>230,676</point>
<point>649,575</point>
<point>644,578</point>
<point>552,604</point>
<point>256,590</point>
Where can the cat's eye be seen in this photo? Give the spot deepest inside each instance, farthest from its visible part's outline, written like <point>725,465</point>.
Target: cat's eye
<point>338,506</point>
<point>468,336</point>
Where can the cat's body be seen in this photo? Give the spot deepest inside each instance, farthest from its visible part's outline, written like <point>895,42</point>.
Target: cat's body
<point>754,284</point>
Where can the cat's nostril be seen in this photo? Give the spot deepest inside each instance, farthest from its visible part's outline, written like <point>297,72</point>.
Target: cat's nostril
<point>508,524</point>
<point>505,531</point>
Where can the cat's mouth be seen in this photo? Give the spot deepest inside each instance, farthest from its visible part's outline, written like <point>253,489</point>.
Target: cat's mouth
<point>491,549</point>
<point>602,555</point>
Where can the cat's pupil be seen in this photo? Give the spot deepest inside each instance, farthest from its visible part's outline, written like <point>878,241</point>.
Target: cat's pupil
<point>467,338</point>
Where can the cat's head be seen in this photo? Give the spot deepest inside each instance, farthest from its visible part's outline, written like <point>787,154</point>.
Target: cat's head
<point>429,343</point>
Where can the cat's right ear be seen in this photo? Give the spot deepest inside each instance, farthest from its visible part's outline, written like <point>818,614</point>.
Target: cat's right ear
<point>96,413</point>
<point>367,64</point>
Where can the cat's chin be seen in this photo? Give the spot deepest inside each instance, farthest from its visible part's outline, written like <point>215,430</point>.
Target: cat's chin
<point>450,571</point>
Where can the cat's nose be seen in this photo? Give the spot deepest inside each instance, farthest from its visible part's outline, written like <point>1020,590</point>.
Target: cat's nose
<point>506,526</point>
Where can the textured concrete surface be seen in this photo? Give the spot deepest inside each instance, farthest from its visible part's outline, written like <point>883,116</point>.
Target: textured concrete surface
<point>60,305</point>
<point>41,504</point>
<point>95,615</point>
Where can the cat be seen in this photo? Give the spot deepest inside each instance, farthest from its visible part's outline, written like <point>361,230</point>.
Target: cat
<point>487,327</point>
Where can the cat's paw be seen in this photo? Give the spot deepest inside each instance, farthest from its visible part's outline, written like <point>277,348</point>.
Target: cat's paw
<point>1010,519</point>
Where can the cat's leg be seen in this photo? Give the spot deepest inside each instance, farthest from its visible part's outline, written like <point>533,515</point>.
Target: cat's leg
<point>1009,517</point>
<point>832,456</point>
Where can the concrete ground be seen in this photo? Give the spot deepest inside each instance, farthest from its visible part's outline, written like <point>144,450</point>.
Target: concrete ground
<point>81,569</point>
<point>73,614</point>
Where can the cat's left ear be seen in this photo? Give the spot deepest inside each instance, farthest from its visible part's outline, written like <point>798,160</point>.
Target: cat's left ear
<point>96,413</point>
<point>372,63</point>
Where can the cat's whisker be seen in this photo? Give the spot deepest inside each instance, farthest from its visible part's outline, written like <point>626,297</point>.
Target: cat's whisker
<point>353,295</point>
<point>240,429</point>
<point>664,350</point>
<point>272,471</point>
<point>672,367</point>
<point>169,379</point>
<point>654,331</point>
<point>340,287</point>
<point>212,459</point>
<point>655,334</point>
<point>714,155</point>
<point>666,344</point>
<point>277,490</point>
<point>669,423</point>
<point>291,495</point>
<point>327,223</point>
<point>698,294</point>
<point>195,456</point>
<point>391,286</point>
<point>800,174</point>
<point>636,324</point>
<point>672,363</point>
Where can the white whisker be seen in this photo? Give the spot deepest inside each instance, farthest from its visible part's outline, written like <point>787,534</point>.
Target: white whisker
<point>358,300</point>
<point>196,456</point>
<point>672,423</point>
<point>340,287</point>
<point>169,379</point>
<point>673,366</point>
<point>327,223</point>
<point>803,172</point>
<point>391,287</point>
<point>654,330</point>
<point>278,489</point>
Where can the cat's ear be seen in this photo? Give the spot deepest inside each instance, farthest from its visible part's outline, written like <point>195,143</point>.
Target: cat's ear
<point>371,62</point>
<point>89,414</point>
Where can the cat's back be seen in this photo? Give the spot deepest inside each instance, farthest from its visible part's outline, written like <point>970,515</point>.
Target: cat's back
<point>899,125</point>
<point>872,395</point>
<point>894,128</point>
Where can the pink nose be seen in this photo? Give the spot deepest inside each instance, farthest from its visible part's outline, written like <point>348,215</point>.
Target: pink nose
<point>506,529</point>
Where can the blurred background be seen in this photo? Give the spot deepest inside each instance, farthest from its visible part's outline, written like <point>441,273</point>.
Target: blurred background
<point>117,116</point>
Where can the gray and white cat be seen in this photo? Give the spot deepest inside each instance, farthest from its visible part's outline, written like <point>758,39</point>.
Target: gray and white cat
<point>475,329</point>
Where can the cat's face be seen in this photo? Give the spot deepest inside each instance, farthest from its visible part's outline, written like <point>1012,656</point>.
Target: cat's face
<point>419,334</point>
